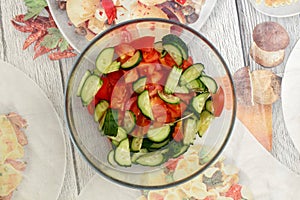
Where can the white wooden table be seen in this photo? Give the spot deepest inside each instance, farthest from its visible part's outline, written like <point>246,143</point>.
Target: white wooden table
<point>229,28</point>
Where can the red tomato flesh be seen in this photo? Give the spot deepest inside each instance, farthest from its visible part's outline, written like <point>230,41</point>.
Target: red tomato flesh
<point>218,101</point>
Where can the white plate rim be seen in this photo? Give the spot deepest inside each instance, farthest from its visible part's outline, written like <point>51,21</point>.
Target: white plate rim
<point>52,123</point>
<point>273,11</point>
<point>79,42</point>
<point>287,86</point>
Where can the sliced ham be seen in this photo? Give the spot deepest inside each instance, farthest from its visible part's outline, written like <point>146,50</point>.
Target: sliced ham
<point>18,165</point>
<point>8,197</point>
<point>18,123</point>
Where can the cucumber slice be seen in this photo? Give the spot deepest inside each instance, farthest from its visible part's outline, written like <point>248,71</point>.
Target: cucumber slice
<point>136,155</point>
<point>182,150</point>
<point>83,79</point>
<point>191,73</point>
<point>144,104</point>
<point>104,59</point>
<point>114,66</point>
<point>174,52</point>
<point>159,134</point>
<point>209,106</point>
<point>101,123</point>
<point>189,131</point>
<point>129,121</point>
<point>181,89</point>
<point>210,83</point>
<point>133,61</point>
<point>204,122</point>
<point>122,153</point>
<point>169,98</point>
<point>194,84</point>
<point>158,46</point>
<point>100,109</point>
<point>178,42</point>
<point>121,135</point>
<point>96,72</point>
<point>136,143</point>
<point>139,85</point>
<point>90,88</point>
<point>153,146</point>
<point>111,158</point>
<point>172,80</point>
<point>163,53</point>
<point>151,159</point>
<point>177,148</point>
<point>110,126</point>
<point>198,102</point>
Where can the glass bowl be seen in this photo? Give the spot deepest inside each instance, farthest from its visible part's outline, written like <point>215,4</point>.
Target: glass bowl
<point>202,151</point>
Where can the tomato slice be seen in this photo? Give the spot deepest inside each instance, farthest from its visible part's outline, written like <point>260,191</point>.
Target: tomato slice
<point>178,132</point>
<point>118,97</point>
<point>186,97</point>
<point>115,77</point>
<point>157,77</point>
<point>91,106</point>
<point>150,56</point>
<point>167,60</point>
<point>105,90</point>
<point>153,88</point>
<point>124,49</point>
<point>160,110</point>
<point>131,76</point>
<point>218,101</point>
<point>175,110</point>
<point>187,63</point>
<point>146,69</point>
<point>145,42</point>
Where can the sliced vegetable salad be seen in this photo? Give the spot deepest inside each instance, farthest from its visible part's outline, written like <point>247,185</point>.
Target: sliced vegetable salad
<point>149,99</point>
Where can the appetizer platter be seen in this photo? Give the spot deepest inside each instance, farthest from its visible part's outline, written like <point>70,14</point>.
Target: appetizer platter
<point>37,158</point>
<point>80,21</point>
<point>277,8</point>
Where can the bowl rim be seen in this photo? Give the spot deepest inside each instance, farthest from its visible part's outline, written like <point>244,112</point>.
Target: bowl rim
<point>171,184</point>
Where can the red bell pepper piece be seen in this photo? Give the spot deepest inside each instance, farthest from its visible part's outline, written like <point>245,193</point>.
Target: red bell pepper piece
<point>110,10</point>
<point>181,1</point>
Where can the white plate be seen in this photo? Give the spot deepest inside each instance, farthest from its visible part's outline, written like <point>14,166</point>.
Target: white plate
<point>280,11</point>
<point>80,42</point>
<point>291,95</point>
<point>45,152</point>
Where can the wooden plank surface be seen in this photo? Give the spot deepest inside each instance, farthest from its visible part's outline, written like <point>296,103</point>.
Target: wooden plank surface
<point>249,18</point>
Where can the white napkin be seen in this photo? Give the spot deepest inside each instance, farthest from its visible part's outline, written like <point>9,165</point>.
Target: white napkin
<point>259,171</point>
<point>267,177</point>
<point>99,188</point>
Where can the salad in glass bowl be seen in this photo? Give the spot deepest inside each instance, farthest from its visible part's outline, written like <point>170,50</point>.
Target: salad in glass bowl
<point>143,93</point>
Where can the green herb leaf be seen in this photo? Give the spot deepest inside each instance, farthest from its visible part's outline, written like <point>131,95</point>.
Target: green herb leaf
<point>63,45</point>
<point>34,8</point>
<point>54,39</point>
